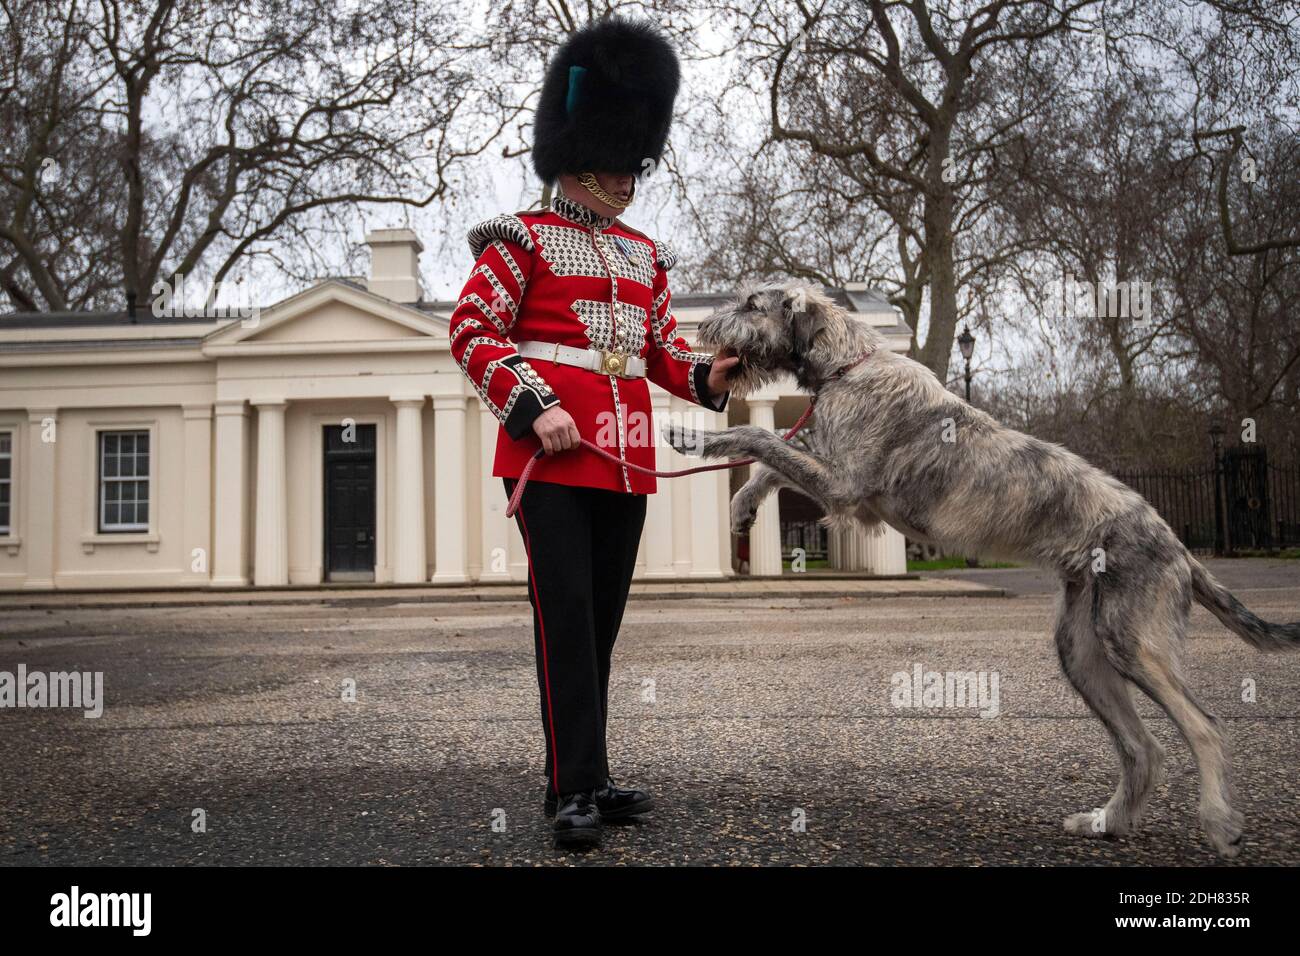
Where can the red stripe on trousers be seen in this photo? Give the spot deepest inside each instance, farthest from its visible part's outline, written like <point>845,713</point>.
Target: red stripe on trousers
<point>546,670</point>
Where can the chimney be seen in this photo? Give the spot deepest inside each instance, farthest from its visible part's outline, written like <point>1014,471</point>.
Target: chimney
<point>395,264</point>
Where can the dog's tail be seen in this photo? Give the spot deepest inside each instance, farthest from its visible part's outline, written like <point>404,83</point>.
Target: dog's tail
<point>1254,630</point>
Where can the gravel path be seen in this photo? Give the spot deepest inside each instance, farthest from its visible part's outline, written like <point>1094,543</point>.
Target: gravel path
<point>742,715</point>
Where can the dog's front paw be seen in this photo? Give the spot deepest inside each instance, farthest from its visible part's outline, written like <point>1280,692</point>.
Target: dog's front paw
<point>743,512</point>
<point>688,441</point>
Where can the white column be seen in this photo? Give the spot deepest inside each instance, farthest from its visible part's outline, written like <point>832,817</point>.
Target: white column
<point>39,530</point>
<point>450,540</point>
<point>197,522</point>
<point>765,535</point>
<point>706,546</point>
<point>680,500</point>
<point>839,550</point>
<point>494,526</point>
<point>230,503</point>
<point>657,540</point>
<point>887,552</point>
<point>408,500</point>
<point>854,549</point>
<point>723,491</point>
<point>271,520</point>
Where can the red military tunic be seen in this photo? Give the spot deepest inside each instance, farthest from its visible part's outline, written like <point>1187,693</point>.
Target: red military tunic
<point>566,275</point>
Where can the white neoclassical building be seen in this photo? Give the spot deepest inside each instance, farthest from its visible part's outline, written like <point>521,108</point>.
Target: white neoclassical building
<point>330,437</point>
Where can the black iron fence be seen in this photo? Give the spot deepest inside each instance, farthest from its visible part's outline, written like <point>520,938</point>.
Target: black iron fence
<point>1239,502</point>
<point>1185,499</point>
<point>1284,496</point>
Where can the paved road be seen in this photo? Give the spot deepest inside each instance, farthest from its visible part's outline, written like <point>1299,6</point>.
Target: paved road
<point>741,715</point>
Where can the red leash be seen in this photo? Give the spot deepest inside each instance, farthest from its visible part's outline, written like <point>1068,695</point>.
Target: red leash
<point>518,494</point>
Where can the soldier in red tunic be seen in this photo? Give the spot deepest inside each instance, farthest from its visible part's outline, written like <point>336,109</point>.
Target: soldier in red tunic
<point>565,319</point>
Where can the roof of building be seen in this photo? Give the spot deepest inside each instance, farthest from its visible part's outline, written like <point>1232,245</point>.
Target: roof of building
<point>855,298</point>
<point>686,300</point>
<point>88,319</point>
<point>81,345</point>
<point>864,298</point>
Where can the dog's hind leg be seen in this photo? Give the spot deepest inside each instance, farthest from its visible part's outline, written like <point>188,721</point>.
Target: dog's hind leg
<point>1142,629</point>
<point>1109,696</point>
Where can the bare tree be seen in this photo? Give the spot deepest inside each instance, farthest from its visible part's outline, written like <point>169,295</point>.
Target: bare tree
<point>1093,185</point>
<point>773,215</point>
<point>153,138</point>
<point>1237,264</point>
<point>914,100</point>
<point>1240,310</point>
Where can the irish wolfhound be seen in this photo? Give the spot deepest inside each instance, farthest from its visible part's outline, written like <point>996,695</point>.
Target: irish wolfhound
<point>892,444</point>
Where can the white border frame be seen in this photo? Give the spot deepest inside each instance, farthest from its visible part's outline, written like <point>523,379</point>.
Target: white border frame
<point>91,536</point>
<point>318,420</point>
<point>102,481</point>
<point>11,539</point>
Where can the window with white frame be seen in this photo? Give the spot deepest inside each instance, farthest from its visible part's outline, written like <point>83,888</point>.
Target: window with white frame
<point>6,480</point>
<point>124,481</point>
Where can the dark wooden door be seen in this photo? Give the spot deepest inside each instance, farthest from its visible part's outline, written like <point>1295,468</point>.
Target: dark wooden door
<point>350,502</point>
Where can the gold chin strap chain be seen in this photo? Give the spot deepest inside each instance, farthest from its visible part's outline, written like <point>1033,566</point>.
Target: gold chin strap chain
<point>588,181</point>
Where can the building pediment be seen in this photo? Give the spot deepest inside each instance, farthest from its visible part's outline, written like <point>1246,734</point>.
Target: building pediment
<point>330,317</point>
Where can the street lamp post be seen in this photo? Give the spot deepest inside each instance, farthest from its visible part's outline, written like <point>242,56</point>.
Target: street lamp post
<point>966,342</point>
<point>1222,543</point>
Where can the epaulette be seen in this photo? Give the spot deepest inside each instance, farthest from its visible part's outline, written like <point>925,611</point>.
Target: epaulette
<point>665,255</point>
<point>504,226</point>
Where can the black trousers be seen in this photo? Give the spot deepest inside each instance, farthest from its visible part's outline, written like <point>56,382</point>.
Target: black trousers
<point>581,545</point>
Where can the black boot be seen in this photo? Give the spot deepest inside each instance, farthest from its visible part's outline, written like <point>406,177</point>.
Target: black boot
<point>577,823</point>
<point>614,802</point>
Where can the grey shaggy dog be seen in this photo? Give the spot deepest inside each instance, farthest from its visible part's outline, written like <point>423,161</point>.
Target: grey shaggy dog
<point>892,445</point>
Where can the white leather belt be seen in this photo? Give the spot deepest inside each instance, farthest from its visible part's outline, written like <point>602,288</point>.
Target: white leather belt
<point>593,360</point>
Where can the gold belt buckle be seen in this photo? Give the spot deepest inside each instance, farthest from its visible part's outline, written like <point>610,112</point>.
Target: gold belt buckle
<point>614,363</point>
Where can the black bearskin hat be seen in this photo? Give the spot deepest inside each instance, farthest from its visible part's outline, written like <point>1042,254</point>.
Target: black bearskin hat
<point>607,100</point>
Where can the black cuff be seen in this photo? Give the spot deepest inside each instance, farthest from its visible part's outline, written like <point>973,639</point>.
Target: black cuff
<point>526,409</point>
<point>709,401</point>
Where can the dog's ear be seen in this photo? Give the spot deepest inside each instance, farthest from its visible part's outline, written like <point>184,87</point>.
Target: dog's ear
<point>805,319</point>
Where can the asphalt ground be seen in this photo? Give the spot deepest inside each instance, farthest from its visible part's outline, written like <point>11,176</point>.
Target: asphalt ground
<point>764,727</point>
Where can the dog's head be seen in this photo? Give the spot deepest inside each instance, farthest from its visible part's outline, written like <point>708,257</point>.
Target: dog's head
<point>791,327</point>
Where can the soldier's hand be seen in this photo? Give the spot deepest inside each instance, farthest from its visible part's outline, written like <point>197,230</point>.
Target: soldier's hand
<point>556,430</point>
<point>720,372</point>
